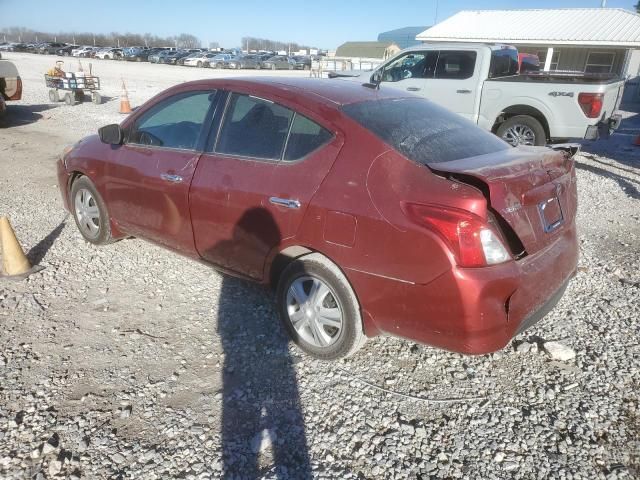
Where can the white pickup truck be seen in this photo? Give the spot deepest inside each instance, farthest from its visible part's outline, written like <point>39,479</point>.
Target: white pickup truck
<point>481,82</point>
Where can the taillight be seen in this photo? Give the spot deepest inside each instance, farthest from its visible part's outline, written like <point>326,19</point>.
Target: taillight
<point>591,104</point>
<point>472,241</point>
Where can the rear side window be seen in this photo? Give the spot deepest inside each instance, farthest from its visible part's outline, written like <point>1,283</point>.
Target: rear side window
<point>305,137</point>
<point>504,63</point>
<point>423,131</point>
<point>456,65</point>
<point>254,127</point>
<point>174,123</point>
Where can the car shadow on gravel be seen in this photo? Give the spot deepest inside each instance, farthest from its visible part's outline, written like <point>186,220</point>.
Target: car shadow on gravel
<point>263,427</point>
<point>629,186</point>
<point>18,115</point>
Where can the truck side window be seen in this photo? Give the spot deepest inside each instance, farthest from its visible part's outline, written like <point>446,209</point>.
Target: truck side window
<point>456,65</point>
<point>411,65</point>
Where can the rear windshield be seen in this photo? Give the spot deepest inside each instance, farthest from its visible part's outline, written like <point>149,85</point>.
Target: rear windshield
<point>423,131</point>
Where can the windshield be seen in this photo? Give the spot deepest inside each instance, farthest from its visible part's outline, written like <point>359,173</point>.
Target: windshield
<point>423,131</point>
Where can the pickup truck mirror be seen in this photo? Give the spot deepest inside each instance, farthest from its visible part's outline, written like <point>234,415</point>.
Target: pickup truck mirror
<point>376,78</point>
<point>111,134</point>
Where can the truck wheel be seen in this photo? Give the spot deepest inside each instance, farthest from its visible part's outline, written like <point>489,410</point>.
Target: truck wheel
<point>53,95</point>
<point>70,98</point>
<point>522,130</point>
<point>96,98</point>
<point>319,308</point>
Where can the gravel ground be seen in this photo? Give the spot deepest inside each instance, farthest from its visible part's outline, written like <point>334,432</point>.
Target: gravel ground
<point>129,361</point>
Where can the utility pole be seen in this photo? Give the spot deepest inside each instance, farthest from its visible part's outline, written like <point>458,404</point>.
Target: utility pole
<point>603,4</point>
<point>435,20</point>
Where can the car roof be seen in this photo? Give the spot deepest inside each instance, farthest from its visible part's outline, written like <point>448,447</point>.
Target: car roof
<point>335,92</point>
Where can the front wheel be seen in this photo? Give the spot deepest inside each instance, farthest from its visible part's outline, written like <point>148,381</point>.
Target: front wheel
<point>522,130</point>
<point>53,95</point>
<point>90,212</point>
<point>319,308</point>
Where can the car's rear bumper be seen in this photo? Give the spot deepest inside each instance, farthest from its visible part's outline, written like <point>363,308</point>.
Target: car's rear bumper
<point>471,310</point>
<point>604,128</point>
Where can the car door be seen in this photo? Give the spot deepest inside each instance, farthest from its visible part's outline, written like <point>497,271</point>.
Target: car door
<point>410,71</point>
<point>455,84</point>
<point>252,187</point>
<point>149,175</point>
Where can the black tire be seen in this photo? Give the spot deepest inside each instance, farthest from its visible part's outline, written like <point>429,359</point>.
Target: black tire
<point>273,67</point>
<point>199,64</point>
<point>70,98</point>
<point>350,338</point>
<point>524,121</point>
<point>96,98</point>
<point>103,235</point>
<point>53,95</point>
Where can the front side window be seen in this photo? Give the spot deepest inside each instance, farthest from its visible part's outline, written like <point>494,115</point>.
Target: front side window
<point>174,123</point>
<point>411,65</point>
<point>455,65</point>
<point>305,137</point>
<point>254,127</point>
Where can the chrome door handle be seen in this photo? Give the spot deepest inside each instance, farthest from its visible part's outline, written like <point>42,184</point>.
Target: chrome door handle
<point>285,202</point>
<point>171,178</point>
<point>463,91</point>
<point>413,89</point>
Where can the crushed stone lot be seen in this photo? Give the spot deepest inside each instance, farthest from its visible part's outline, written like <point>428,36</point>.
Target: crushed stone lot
<point>129,361</point>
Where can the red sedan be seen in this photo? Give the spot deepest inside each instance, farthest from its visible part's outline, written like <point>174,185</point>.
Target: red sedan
<point>369,211</point>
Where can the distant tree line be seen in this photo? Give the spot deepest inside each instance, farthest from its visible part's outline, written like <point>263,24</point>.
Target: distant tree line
<point>253,43</point>
<point>20,34</point>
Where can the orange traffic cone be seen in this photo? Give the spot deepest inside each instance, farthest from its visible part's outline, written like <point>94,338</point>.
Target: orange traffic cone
<point>637,141</point>
<point>14,261</point>
<point>125,106</point>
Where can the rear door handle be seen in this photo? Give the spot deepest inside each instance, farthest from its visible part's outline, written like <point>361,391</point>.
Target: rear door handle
<point>171,178</point>
<point>463,91</point>
<point>285,202</point>
<point>413,89</point>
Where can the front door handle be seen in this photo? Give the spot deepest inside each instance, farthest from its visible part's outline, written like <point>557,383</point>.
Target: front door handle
<point>413,89</point>
<point>285,202</point>
<point>463,91</point>
<point>171,178</point>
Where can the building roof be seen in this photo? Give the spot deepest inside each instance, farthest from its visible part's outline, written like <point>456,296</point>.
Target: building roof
<point>363,49</point>
<point>403,37</point>
<point>567,26</point>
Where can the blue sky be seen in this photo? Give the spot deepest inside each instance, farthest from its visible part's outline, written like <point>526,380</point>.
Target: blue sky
<point>323,23</point>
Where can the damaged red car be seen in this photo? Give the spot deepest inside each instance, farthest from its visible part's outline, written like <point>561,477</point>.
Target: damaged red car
<point>368,211</point>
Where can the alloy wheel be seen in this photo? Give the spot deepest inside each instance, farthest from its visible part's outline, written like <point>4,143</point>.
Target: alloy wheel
<point>519,134</point>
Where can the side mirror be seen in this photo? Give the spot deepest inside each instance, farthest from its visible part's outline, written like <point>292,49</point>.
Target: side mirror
<point>376,78</point>
<point>111,134</point>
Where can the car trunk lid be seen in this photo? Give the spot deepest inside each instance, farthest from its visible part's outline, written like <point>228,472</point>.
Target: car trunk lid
<point>531,188</point>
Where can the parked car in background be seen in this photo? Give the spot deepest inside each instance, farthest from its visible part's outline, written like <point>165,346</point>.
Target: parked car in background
<point>302,62</point>
<point>219,60</point>
<point>109,54</point>
<point>199,59</point>
<point>66,51</point>
<point>244,61</point>
<point>6,46</point>
<point>172,57</point>
<point>312,187</point>
<point>528,62</point>
<point>481,83</point>
<point>19,47</point>
<point>10,85</point>
<point>279,62</point>
<point>51,48</point>
<point>155,57</point>
<point>84,51</point>
<point>136,55</point>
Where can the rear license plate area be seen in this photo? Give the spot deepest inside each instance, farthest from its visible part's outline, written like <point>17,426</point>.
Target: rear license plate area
<point>550,214</point>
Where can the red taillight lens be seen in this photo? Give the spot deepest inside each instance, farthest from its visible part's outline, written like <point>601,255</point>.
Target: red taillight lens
<point>591,104</point>
<point>472,241</point>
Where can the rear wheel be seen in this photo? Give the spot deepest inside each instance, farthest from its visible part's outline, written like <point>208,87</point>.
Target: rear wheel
<point>319,308</point>
<point>70,98</point>
<point>53,95</point>
<point>90,212</point>
<point>96,98</point>
<point>522,130</point>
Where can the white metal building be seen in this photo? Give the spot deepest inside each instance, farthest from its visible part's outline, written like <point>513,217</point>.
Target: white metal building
<point>605,40</point>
